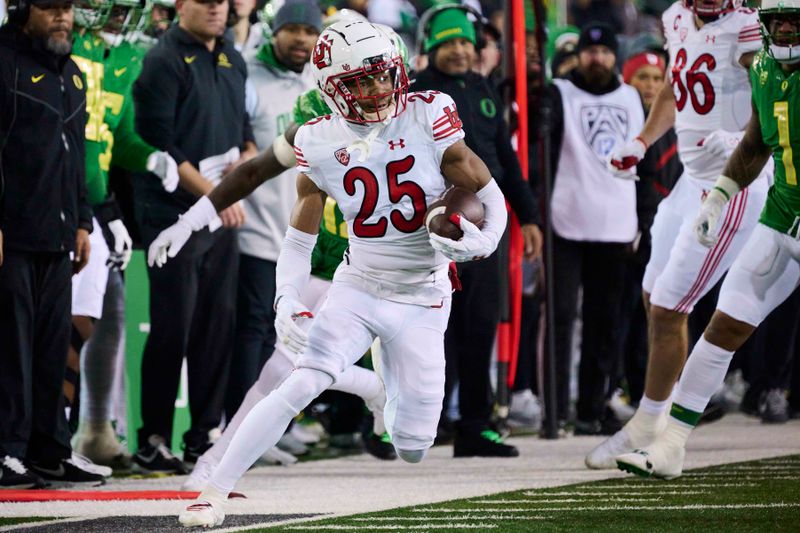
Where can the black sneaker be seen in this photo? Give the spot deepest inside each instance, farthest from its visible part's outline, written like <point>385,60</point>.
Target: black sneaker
<point>379,446</point>
<point>715,410</point>
<point>192,453</point>
<point>67,472</point>
<point>487,443</point>
<point>749,405</point>
<point>155,457</point>
<point>14,475</point>
<point>773,408</point>
<point>445,433</point>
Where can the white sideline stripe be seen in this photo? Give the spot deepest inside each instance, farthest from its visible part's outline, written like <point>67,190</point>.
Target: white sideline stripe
<point>480,516</point>
<point>697,506</point>
<point>750,477</point>
<point>568,500</point>
<point>631,492</point>
<point>392,527</point>
<point>765,467</point>
<point>22,525</point>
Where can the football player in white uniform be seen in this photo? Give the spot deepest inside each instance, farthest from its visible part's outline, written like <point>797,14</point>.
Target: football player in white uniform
<point>711,45</point>
<point>384,155</point>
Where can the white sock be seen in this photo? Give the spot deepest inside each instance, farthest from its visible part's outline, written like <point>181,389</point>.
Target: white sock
<point>365,384</point>
<point>265,423</point>
<point>676,433</point>
<point>646,421</point>
<point>702,376</point>
<point>99,354</point>
<point>213,495</point>
<point>275,371</point>
<point>653,407</point>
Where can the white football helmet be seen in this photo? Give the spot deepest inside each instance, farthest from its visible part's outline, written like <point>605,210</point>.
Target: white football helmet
<point>349,51</point>
<point>783,47</point>
<point>712,9</point>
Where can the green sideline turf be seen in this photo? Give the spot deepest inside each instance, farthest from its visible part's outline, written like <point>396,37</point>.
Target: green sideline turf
<point>754,496</point>
<point>12,521</point>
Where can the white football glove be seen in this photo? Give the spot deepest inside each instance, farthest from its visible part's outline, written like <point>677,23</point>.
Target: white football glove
<point>472,245</point>
<point>705,225</point>
<point>168,243</point>
<point>622,161</point>
<point>119,255</point>
<point>287,312</point>
<point>162,165</point>
<point>721,143</point>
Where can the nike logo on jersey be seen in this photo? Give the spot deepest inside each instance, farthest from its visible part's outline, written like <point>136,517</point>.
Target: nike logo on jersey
<point>189,59</point>
<point>37,79</point>
<point>120,71</point>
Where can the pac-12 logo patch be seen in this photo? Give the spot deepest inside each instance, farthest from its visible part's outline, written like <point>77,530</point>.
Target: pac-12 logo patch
<point>342,156</point>
<point>603,126</point>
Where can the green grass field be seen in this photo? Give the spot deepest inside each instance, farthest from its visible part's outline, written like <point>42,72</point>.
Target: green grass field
<point>755,496</point>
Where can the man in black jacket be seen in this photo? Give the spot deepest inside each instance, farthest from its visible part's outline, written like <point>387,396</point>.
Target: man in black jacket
<point>450,44</point>
<point>190,102</point>
<point>44,216</point>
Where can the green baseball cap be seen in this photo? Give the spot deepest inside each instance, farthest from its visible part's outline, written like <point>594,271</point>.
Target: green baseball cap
<point>447,25</point>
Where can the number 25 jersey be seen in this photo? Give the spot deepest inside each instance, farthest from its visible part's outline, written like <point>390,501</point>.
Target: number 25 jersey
<point>710,85</point>
<point>384,199</point>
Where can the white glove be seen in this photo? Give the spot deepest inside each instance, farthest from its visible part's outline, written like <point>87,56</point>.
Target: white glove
<point>622,161</point>
<point>162,165</point>
<point>705,225</point>
<point>287,312</point>
<point>168,243</point>
<point>120,255</point>
<point>472,245</point>
<point>721,143</point>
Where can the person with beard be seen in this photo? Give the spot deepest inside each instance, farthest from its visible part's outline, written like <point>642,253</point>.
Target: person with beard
<point>594,221</point>
<point>449,41</point>
<point>279,72</point>
<point>190,102</point>
<point>44,219</point>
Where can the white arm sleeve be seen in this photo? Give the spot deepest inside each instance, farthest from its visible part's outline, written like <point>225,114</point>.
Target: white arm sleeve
<point>495,213</point>
<point>294,263</point>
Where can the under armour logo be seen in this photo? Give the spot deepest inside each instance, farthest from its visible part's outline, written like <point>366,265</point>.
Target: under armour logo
<point>711,38</point>
<point>400,144</point>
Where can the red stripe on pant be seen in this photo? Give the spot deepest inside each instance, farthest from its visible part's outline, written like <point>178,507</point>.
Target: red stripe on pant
<point>729,228</point>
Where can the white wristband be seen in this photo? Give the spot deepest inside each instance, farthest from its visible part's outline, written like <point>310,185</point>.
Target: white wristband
<point>200,214</point>
<point>283,151</point>
<point>294,263</point>
<point>727,187</point>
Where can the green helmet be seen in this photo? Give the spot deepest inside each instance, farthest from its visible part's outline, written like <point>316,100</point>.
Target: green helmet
<point>784,47</point>
<point>92,14</point>
<point>127,16</point>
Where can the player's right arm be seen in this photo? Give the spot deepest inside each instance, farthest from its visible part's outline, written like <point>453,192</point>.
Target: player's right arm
<point>294,264</point>
<point>659,121</point>
<point>239,183</point>
<point>742,168</point>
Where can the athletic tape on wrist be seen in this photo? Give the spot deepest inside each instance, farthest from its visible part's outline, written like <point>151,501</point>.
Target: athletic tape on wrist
<point>283,151</point>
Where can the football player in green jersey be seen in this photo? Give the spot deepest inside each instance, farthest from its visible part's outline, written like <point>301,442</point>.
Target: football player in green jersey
<point>767,270</point>
<point>110,65</point>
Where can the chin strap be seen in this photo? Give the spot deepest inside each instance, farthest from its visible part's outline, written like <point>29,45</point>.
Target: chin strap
<point>364,145</point>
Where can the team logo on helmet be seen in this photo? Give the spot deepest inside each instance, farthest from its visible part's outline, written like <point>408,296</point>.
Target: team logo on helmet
<point>342,156</point>
<point>322,52</point>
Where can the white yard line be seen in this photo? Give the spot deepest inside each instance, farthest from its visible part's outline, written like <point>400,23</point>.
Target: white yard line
<point>480,516</point>
<point>393,527</point>
<point>604,493</point>
<point>566,500</point>
<point>687,507</point>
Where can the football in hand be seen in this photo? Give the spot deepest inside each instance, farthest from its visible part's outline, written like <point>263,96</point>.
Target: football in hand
<point>455,201</point>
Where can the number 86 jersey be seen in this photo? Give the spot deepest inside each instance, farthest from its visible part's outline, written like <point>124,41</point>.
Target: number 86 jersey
<point>710,85</point>
<point>384,199</point>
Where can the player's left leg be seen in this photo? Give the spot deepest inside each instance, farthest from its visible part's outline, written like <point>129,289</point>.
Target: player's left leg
<point>764,275</point>
<point>413,371</point>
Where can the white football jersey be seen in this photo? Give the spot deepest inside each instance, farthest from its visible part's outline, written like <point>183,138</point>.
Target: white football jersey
<point>711,87</point>
<point>384,199</point>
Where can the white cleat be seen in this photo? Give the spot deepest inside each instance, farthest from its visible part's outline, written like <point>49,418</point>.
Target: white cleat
<point>661,459</point>
<point>198,479</point>
<point>604,455</point>
<point>202,513</point>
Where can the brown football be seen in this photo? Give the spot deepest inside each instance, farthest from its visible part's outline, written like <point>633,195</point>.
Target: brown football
<point>455,200</point>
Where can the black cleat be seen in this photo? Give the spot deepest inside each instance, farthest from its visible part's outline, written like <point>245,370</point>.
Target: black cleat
<point>155,457</point>
<point>487,443</point>
<point>379,446</point>
<point>14,475</point>
<point>67,472</point>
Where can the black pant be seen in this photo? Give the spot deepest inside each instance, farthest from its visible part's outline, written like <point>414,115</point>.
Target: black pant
<point>528,344</point>
<point>599,269</point>
<point>469,339</point>
<point>255,328</point>
<point>35,299</point>
<point>771,367</point>
<point>632,340</point>
<point>192,314</point>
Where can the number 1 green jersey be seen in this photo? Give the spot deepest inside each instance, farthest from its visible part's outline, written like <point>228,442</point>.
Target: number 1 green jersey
<point>776,96</point>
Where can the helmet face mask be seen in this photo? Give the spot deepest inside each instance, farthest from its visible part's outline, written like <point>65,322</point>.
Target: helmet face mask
<point>710,10</point>
<point>127,16</point>
<point>780,29</point>
<point>92,14</point>
<point>360,72</point>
